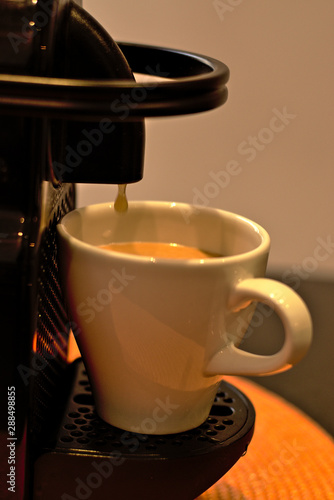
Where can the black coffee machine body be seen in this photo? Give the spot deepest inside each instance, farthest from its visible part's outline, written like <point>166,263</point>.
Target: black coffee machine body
<point>71,111</point>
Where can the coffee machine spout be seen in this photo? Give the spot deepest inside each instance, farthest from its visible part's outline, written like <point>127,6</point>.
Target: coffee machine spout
<point>98,153</point>
<point>104,151</point>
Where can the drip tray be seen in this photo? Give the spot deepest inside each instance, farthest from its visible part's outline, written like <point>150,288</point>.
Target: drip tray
<point>88,458</point>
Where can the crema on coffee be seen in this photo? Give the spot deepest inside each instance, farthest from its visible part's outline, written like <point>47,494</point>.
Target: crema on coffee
<point>156,249</point>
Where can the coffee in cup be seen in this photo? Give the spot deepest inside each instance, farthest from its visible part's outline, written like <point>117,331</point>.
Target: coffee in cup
<point>157,249</point>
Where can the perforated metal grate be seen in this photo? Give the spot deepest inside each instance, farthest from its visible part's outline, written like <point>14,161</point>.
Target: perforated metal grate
<point>82,429</point>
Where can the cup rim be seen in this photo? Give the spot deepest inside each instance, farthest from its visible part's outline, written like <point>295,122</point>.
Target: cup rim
<point>262,248</point>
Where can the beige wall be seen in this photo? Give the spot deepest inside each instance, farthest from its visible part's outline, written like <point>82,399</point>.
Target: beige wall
<point>280,54</point>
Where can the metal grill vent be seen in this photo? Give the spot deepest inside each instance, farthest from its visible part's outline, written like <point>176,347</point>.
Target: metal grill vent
<point>51,337</point>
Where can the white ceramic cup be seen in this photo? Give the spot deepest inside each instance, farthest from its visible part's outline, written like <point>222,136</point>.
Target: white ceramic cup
<point>157,335</point>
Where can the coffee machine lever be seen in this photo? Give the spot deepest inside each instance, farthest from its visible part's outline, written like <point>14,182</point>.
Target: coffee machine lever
<point>79,79</point>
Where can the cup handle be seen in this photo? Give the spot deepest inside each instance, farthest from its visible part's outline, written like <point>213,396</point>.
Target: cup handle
<point>296,321</point>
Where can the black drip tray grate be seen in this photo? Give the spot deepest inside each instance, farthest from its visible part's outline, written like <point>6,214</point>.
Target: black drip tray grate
<point>82,429</point>
<point>180,465</point>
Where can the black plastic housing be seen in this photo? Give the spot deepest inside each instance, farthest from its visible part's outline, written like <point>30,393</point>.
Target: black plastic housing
<point>104,151</point>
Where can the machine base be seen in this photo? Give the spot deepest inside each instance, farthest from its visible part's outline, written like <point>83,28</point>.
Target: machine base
<point>88,458</point>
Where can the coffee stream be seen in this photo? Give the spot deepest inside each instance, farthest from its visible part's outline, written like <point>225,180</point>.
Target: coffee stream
<point>152,249</point>
<point>121,203</point>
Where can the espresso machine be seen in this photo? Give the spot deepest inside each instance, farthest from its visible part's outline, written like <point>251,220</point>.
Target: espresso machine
<point>72,112</point>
